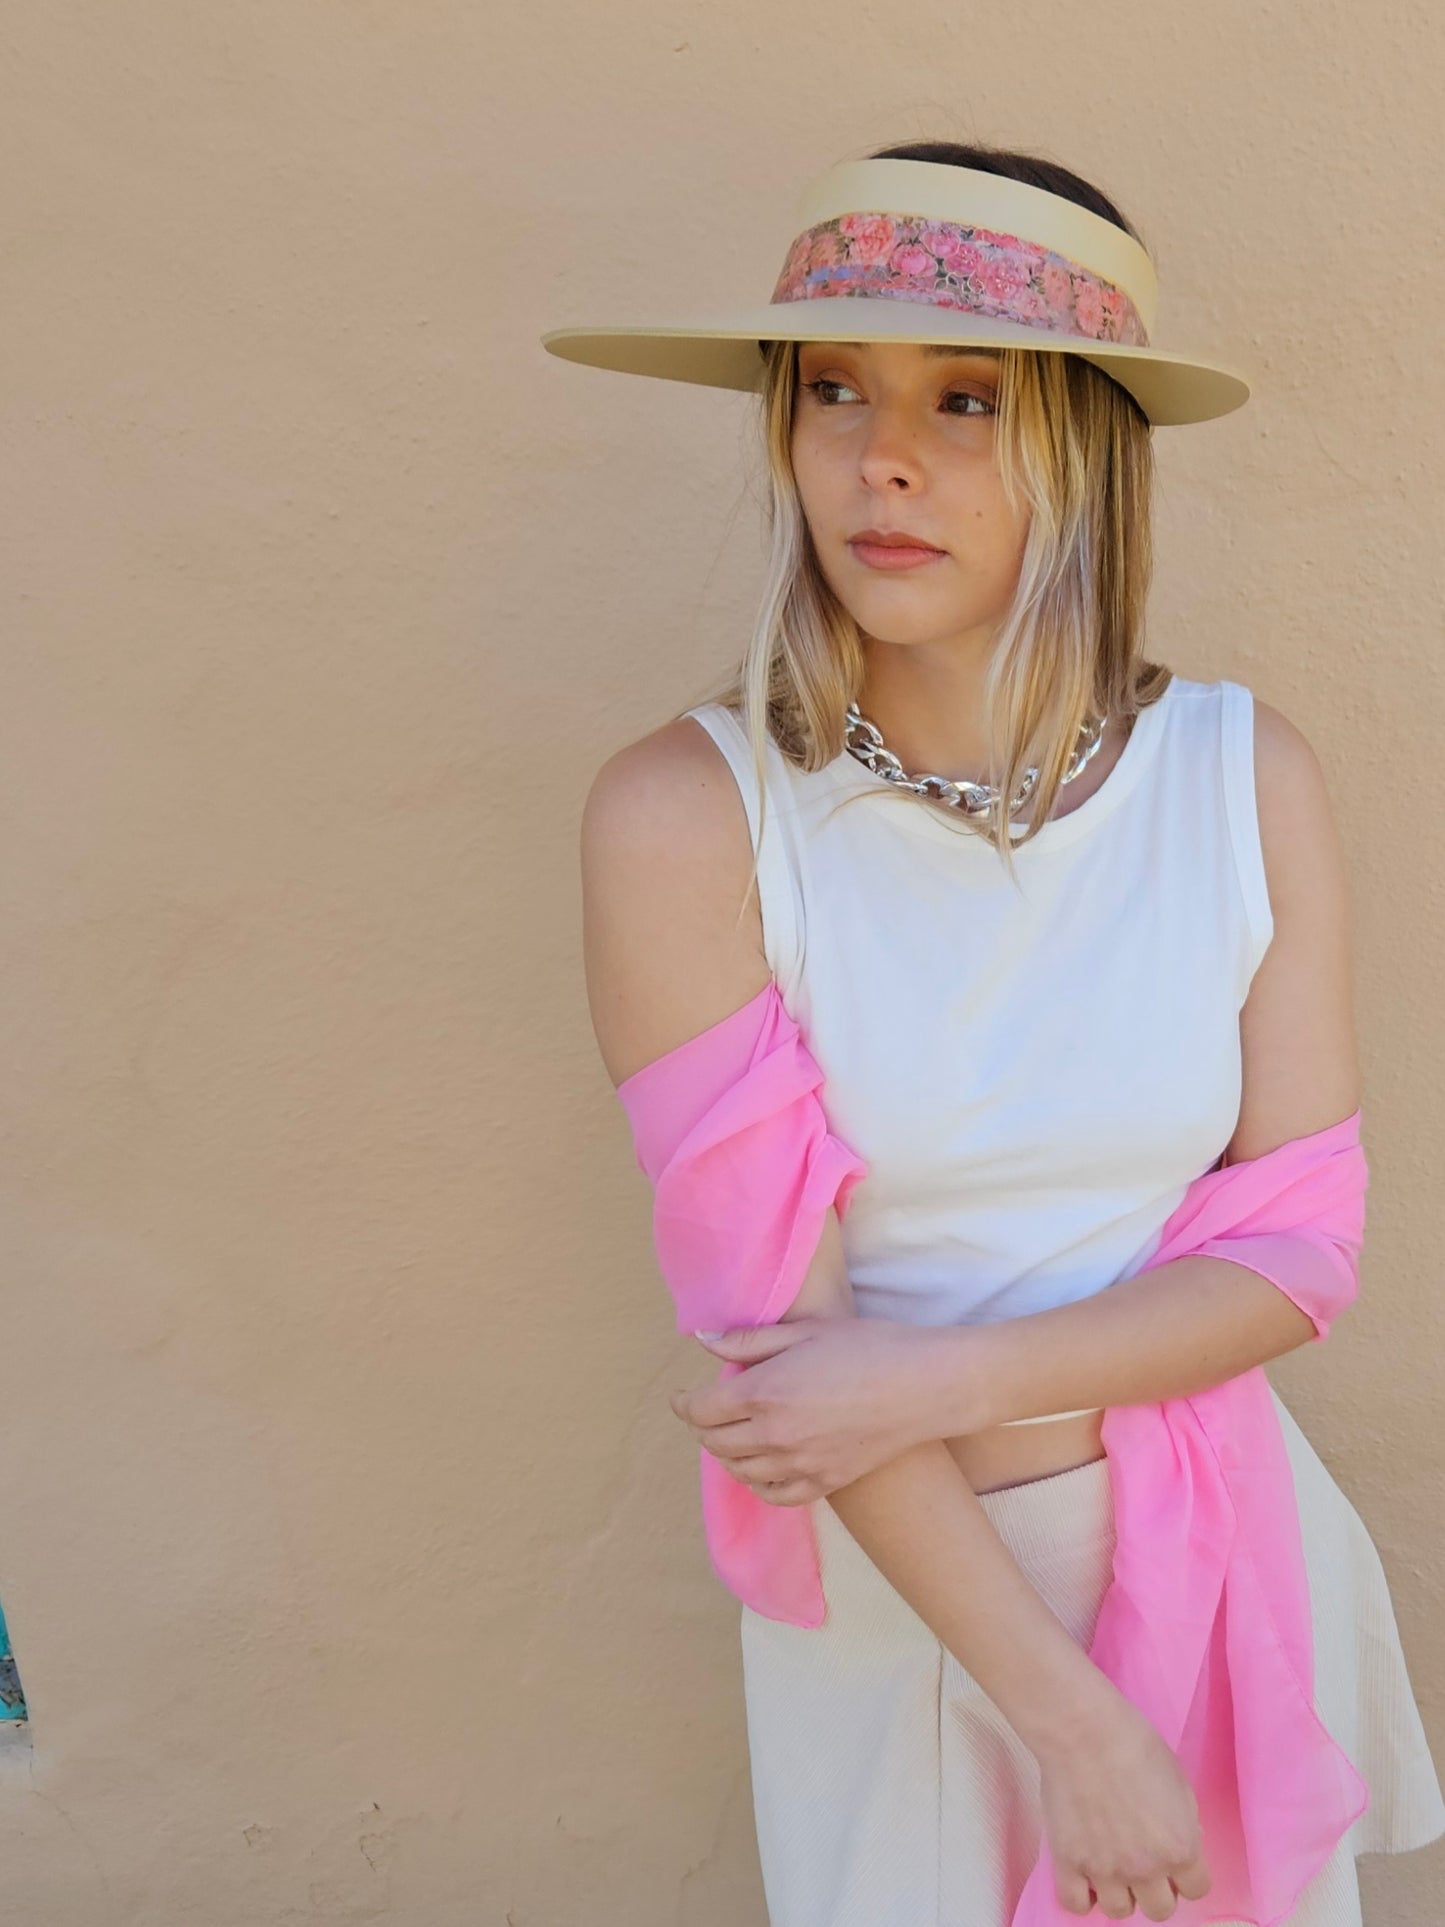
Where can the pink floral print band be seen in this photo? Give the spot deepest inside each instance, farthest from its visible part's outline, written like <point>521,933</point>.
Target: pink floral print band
<point>947,265</point>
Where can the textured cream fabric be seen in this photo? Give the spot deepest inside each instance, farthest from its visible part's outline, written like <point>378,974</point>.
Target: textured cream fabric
<point>888,1791</point>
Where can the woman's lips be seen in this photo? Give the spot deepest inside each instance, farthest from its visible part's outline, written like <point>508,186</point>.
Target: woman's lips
<point>880,556</point>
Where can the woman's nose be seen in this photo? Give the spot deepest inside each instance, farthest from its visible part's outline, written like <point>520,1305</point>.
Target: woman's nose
<point>889,448</point>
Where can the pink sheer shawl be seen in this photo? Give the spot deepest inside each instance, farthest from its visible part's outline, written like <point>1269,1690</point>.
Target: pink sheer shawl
<point>1206,1626</point>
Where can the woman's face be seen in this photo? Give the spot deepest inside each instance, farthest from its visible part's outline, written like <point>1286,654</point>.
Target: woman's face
<point>899,437</point>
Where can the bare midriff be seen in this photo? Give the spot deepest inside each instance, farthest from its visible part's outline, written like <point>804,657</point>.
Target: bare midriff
<point>1014,1454</point>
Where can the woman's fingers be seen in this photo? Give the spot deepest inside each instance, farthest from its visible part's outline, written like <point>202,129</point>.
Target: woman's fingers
<point>771,1476</point>
<point>735,1441</point>
<point>774,1475</point>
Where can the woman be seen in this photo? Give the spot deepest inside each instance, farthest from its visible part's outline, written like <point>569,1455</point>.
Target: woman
<point>1105,952</point>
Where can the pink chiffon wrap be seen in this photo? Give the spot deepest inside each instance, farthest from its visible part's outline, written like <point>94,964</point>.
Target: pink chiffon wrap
<point>1206,1627</point>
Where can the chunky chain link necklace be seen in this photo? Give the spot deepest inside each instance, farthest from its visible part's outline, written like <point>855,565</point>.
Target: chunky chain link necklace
<point>864,740</point>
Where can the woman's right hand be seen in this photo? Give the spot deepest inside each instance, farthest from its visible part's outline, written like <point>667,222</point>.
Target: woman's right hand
<point>1121,1819</point>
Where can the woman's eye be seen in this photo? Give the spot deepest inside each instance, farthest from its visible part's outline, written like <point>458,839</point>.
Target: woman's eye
<point>987,406</point>
<point>817,388</point>
<point>954,394</point>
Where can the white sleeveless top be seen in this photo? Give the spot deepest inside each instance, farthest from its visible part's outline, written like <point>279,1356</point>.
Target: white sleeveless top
<point>1035,1075</point>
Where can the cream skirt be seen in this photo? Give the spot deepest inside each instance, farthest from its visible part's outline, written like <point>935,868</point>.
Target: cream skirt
<point>888,1791</point>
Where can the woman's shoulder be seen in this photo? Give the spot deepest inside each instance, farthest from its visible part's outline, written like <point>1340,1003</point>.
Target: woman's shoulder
<point>666,861</point>
<point>1298,827</point>
<point>672,791</point>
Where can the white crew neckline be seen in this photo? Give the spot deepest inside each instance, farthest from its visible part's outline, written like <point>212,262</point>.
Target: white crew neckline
<point>932,819</point>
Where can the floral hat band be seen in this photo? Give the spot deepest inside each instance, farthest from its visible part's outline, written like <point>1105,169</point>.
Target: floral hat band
<point>977,243</point>
<point>922,251</point>
<point>899,257</point>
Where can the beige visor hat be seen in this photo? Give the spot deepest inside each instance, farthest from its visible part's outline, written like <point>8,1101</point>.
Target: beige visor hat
<point>921,251</point>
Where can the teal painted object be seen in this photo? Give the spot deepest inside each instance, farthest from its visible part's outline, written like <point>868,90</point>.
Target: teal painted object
<point>12,1699</point>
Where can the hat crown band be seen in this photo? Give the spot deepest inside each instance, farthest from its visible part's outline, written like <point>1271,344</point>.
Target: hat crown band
<point>957,265</point>
<point>939,192</point>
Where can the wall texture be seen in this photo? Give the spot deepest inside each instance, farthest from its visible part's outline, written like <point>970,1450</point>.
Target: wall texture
<point>348,1545</point>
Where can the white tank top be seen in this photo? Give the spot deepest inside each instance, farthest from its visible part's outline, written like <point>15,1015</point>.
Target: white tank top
<point>1035,1075</point>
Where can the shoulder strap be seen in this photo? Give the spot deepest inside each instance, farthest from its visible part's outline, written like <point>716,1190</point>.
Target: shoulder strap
<point>1241,806</point>
<point>778,894</point>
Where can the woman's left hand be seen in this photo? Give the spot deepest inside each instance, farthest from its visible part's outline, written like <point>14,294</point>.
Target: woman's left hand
<point>822,1401</point>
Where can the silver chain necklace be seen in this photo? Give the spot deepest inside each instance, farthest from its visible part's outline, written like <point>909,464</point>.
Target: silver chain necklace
<point>865,741</point>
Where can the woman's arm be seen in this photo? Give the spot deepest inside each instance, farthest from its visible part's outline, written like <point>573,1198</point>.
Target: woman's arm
<point>666,856</point>
<point>920,1522</point>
